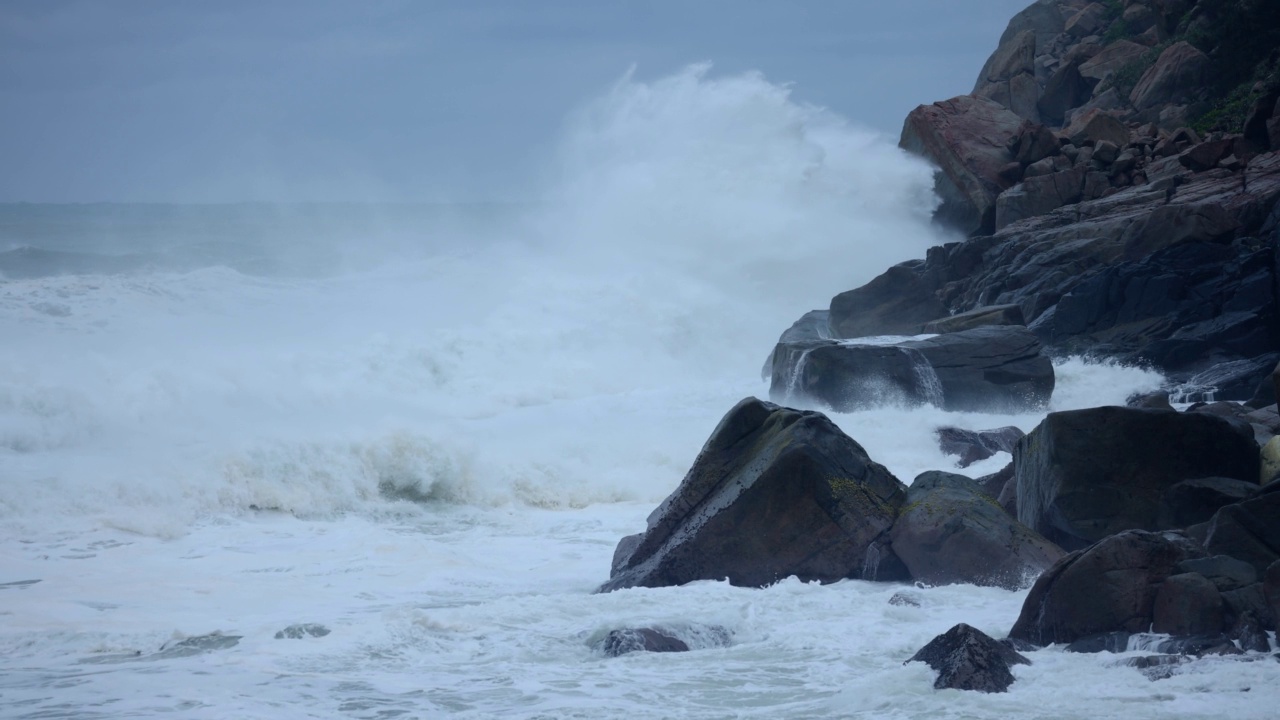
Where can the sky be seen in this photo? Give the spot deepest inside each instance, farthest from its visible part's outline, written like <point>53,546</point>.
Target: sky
<point>413,101</point>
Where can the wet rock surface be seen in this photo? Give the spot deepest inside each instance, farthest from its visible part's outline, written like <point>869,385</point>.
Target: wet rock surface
<point>969,659</point>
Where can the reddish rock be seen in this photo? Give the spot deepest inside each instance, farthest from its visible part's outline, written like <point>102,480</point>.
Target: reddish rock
<point>1187,604</point>
<point>1206,155</point>
<point>968,139</point>
<point>1096,126</point>
<point>1181,72</point>
<point>1089,21</point>
<point>1112,58</point>
<point>1039,195</point>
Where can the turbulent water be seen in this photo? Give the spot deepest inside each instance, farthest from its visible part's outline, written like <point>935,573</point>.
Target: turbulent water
<point>426,428</point>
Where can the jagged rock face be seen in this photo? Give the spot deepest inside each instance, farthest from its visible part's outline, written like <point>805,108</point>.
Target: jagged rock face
<point>1179,273</point>
<point>775,492</point>
<point>1109,587</point>
<point>968,139</point>
<point>1178,76</point>
<point>1083,475</point>
<point>950,532</point>
<point>986,368</point>
<point>968,659</point>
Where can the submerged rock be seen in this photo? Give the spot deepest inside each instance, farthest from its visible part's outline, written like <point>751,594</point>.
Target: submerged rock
<point>775,492</point>
<point>949,531</point>
<point>302,630</point>
<point>968,659</point>
<point>629,640</point>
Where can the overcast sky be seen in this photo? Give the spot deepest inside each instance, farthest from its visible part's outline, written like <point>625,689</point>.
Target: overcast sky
<point>401,100</point>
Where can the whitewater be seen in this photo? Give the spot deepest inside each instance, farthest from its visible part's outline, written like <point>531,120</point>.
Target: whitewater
<point>418,445</point>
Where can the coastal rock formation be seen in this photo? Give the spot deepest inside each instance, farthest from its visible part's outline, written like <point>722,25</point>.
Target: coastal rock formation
<point>1109,587</point>
<point>968,659</point>
<point>985,368</point>
<point>949,532</point>
<point>775,492</point>
<point>1085,474</point>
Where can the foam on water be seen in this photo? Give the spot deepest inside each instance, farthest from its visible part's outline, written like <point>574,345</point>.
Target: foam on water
<point>434,454</point>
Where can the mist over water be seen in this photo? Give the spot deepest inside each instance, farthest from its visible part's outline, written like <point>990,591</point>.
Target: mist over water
<point>552,357</point>
<point>431,443</point>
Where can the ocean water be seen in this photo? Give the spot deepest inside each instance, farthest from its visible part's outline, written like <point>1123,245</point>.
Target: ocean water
<point>425,429</point>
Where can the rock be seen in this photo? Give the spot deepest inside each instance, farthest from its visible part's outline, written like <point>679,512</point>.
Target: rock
<point>1111,59</point>
<point>950,532</point>
<point>1187,604</point>
<point>1097,126</point>
<point>1249,600</point>
<point>1270,456</point>
<point>1151,401</point>
<point>984,368</point>
<point>1088,21</point>
<point>1206,155</point>
<point>1177,142</point>
<point>1112,642</point>
<point>813,325</point>
<point>1195,501</point>
<point>1086,474</point>
<point>774,492</point>
<point>993,315</point>
<point>901,599</point>
<point>967,138</point>
<point>1173,224</point>
<point>1255,124</point>
<point>1008,497</point>
<point>969,659</point>
<point>1034,142</point>
<point>1065,90</point>
<point>1181,72</point>
<point>629,640</point>
<point>1248,631</point>
<point>1109,587</point>
<point>1044,166</point>
<point>1105,152</point>
<point>1271,589</point>
<point>1096,185</point>
<point>898,302</point>
<point>974,445</point>
<point>1156,667</point>
<point>302,630</point>
<point>1038,196</point>
<point>1249,530</point>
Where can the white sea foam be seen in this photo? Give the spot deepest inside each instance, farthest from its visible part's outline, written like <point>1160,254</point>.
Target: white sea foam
<point>434,455</point>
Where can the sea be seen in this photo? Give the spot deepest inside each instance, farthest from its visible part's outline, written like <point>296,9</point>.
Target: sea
<point>353,460</point>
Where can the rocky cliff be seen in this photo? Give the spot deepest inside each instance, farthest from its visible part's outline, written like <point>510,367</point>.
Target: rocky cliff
<point>1116,171</point>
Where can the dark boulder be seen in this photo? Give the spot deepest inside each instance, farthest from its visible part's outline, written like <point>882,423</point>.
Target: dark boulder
<point>989,368</point>
<point>775,492</point>
<point>1249,530</point>
<point>1083,475</point>
<point>974,445</point>
<point>1249,600</point>
<point>1225,572</point>
<point>949,531</point>
<point>1112,642</point>
<point>1109,587</point>
<point>1191,502</point>
<point>994,315</point>
<point>966,658</point>
<point>1271,590</point>
<point>1249,633</point>
<point>629,640</point>
<point>1179,75</point>
<point>1187,604</point>
<point>898,302</point>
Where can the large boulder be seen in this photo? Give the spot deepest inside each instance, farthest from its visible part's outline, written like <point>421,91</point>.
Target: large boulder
<point>968,139</point>
<point>986,368</point>
<point>1111,59</point>
<point>1187,604</point>
<point>1249,530</point>
<point>994,315</point>
<point>949,532</point>
<point>1039,195</point>
<point>1109,587</point>
<point>1085,474</point>
<point>775,492</point>
<point>1180,74</point>
<point>966,658</point>
<point>897,302</point>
